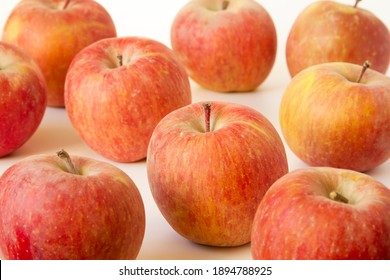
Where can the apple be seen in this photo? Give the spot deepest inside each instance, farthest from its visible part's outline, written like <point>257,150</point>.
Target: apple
<point>337,114</point>
<point>118,89</point>
<point>323,213</point>
<point>225,46</point>
<point>209,165</point>
<point>62,207</point>
<point>52,32</point>
<point>328,31</point>
<point>22,98</point>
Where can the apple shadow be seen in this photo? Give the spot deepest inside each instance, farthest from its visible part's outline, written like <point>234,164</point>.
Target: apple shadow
<point>188,250</point>
<point>54,133</point>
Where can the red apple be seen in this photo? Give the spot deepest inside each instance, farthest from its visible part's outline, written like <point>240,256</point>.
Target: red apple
<point>209,166</point>
<point>52,32</point>
<point>226,46</point>
<point>328,31</point>
<point>118,89</point>
<point>323,213</point>
<point>330,118</point>
<point>22,98</point>
<point>69,208</point>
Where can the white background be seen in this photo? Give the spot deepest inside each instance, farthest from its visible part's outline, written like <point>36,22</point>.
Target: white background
<point>152,19</point>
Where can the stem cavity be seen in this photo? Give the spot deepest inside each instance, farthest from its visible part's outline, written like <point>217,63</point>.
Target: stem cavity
<point>225,5</point>
<point>338,197</point>
<point>207,112</point>
<point>64,156</point>
<point>356,3</point>
<point>366,65</point>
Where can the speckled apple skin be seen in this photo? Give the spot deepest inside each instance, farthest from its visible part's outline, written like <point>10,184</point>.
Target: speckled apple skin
<point>49,213</point>
<point>115,107</point>
<point>297,220</point>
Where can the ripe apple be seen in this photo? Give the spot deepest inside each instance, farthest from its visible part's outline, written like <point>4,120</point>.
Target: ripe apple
<point>53,31</point>
<point>226,46</point>
<point>328,31</point>
<point>334,114</point>
<point>209,165</point>
<point>57,207</point>
<point>323,213</point>
<point>118,89</point>
<point>22,98</point>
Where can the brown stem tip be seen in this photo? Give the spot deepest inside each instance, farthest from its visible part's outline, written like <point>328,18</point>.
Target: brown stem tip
<point>68,162</point>
<point>207,113</point>
<point>338,197</point>
<point>356,3</point>
<point>366,65</point>
<point>225,5</point>
<point>120,59</point>
<point>66,4</point>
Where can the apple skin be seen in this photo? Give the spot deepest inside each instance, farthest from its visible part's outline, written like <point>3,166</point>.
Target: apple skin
<point>225,50</point>
<point>328,31</point>
<point>298,220</point>
<point>328,119</point>
<point>208,185</point>
<point>22,98</point>
<point>52,35</point>
<point>49,213</point>
<point>114,107</point>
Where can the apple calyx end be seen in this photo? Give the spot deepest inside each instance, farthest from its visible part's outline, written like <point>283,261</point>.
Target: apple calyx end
<point>64,156</point>
<point>356,3</point>
<point>225,5</point>
<point>207,113</point>
<point>366,65</point>
<point>338,197</point>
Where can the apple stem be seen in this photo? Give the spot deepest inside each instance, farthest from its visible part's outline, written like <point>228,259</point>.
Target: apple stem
<point>338,197</point>
<point>366,65</point>
<point>207,112</point>
<point>225,5</point>
<point>120,58</point>
<point>66,4</point>
<point>68,162</point>
<point>356,3</point>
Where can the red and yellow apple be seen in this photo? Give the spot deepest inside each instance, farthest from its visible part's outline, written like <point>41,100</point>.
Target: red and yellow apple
<point>323,213</point>
<point>118,89</point>
<point>328,31</point>
<point>226,46</point>
<point>22,98</point>
<point>209,165</point>
<point>330,118</point>
<point>52,32</point>
<point>61,207</point>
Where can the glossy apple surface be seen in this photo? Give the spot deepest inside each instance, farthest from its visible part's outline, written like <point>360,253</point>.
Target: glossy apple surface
<point>118,89</point>
<point>328,31</point>
<point>226,46</point>
<point>48,211</point>
<point>330,119</point>
<point>208,183</point>
<point>22,98</point>
<point>52,32</point>
<point>323,213</point>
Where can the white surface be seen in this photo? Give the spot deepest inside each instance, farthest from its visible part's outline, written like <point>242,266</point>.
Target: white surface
<point>152,19</point>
